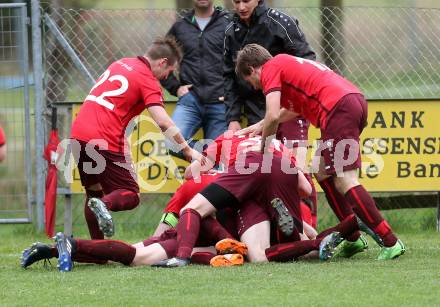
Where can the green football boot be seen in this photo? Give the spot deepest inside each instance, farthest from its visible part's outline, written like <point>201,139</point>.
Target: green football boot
<point>348,249</point>
<point>387,253</point>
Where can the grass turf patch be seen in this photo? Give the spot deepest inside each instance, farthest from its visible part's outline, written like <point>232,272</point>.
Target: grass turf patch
<point>411,280</point>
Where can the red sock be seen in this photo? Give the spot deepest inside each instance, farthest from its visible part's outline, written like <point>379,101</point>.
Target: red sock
<point>365,208</point>
<point>213,230</point>
<point>348,228</point>
<point>292,250</point>
<point>202,258</point>
<point>113,250</point>
<point>336,200</point>
<point>78,258</point>
<point>92,223</point>
<point>188,229</point>
<point>121,200</point>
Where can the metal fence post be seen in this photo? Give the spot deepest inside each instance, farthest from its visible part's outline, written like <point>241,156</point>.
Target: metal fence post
<point>25,69</point>
<point>38,107</point>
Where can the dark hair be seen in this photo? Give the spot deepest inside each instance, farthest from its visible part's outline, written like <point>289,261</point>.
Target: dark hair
<point>252,55</point>
<point>165,47</point>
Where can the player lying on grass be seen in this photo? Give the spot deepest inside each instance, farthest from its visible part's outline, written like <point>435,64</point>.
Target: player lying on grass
<point>147,252</point>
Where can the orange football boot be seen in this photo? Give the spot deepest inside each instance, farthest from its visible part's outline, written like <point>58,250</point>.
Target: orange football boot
<point>231,246</point>
<point>227,260</point>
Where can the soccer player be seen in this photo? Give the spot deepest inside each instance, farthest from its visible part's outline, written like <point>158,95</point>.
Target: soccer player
<point>298,86</point>
<point>124,90</point>
<point>2,144</point>
<point>147,252</point>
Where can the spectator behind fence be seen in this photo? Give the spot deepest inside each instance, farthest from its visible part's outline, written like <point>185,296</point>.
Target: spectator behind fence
<point>2,145</point>
<point>101,126</point>
<point>253,22</point>
<point>200,83</point>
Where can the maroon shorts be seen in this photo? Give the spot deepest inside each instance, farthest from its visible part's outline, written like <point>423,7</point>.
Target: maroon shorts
<point>250,213</point>
<point>118,172</point>
<point>340,137</point>
<point>294,133</point>
<point>262,186</point>
<point>245,185</point>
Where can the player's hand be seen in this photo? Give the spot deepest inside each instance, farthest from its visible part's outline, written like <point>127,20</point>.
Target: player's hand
<point>234,126</point>
<point>184,89</point>
<point>252,131</point>
<point>193,155</point>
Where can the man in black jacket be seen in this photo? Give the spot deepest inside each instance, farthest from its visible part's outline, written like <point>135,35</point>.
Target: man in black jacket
<point>200,84</point>
<point>253,22</point>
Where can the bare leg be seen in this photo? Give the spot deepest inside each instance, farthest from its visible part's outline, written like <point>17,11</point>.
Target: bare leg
<point>257,239</point>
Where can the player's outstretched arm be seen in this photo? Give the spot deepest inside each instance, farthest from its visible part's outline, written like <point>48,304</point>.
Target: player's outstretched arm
<point>170,130</point>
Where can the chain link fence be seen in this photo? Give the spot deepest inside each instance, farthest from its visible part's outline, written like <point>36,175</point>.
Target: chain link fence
<point>15,171</point>
<point>388,52</point>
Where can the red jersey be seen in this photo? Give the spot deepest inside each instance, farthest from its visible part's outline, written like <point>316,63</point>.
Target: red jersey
<point>2,137</point>
<point>125,89</point>
<point>227,147</point>
<point>307,87</point>
<point>187,191</point>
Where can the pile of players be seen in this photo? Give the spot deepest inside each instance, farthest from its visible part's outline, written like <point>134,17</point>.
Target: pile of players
<point>256,208</point>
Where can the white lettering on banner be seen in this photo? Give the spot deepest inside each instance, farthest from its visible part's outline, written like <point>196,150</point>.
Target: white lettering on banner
<point>100,99</point>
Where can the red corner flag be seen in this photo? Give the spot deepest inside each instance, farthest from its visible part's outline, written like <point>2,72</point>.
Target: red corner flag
<point>51,156</point>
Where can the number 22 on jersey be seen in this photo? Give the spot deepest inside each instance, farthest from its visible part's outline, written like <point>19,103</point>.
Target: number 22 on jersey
<point>101,98</point>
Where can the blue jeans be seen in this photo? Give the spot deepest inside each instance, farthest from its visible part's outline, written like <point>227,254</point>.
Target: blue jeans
<point>190,115</point>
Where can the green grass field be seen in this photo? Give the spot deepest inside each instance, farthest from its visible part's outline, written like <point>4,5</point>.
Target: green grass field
<point>412,280</point>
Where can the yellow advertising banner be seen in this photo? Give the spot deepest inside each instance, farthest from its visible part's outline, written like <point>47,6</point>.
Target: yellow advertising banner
<point>400,149</point>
